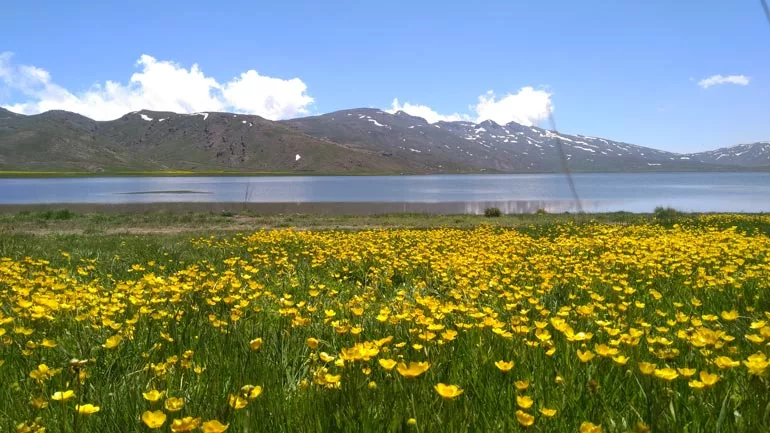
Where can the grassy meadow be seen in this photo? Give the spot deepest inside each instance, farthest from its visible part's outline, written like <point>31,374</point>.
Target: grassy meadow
<point>238,323</point>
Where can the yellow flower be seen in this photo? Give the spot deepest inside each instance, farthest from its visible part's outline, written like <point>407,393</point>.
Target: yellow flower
<point>524,402</point>
<point>725,362</point>
<point>86,409</point>
<point>448,391</point>
<point>696,384</point>
<point>39,403</point>
<point>605,351</point>
<point>729,315</point>
<point>686,372</point>
<point>214,426</point>
<point>708,378</point>
<point>387,364</point>
<point>325,357</point>
<point>548,413</point>
<point>255,392</point>
<point>504,366</point>
<point>154,395</point>
<point>185,424</point>
<point>312,343</point>
<point>112,342</point>
<point>756,363</point>
<point>667,374</point>
<point>237,402</point>
<point>524,418</point>
<point>543,335</point>
<point>332,378</point>
<point>620,359</point>
<point>154,419</point>
<point>174,404</point>
<point>43,372</point>
<point>413,370</point>
<point>585,356</point>
<point>521,385</point>
<point>63,395</point>
<point>255,344</point>
<point>449,334</point>
<point>646,368</point>
<point>411,421</point>
<point>587,427</point>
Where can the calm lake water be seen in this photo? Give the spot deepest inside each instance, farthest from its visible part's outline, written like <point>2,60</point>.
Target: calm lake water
<point>701,192</point>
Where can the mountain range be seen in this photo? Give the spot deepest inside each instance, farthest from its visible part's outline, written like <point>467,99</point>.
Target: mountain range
<point>355,141</point>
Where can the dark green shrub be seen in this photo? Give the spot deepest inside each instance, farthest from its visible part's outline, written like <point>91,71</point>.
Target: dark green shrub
<point>492,212</point>
<point>57,214</point>
<point>666,213</point>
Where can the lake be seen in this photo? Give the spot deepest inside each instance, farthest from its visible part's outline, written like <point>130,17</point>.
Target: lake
<point>634,192</point>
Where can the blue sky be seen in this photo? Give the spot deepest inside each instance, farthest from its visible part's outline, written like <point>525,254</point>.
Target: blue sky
<point>626,70</point>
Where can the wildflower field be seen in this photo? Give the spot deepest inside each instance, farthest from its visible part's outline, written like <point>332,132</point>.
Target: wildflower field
<point>561,327</point>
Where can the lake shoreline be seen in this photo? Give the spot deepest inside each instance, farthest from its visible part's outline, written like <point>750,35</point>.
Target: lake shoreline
<point>25,174</point>
<point>305,208</point>
<point>65,223</point>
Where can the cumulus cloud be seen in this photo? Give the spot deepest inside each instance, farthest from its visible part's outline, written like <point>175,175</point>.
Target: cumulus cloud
<point>713,80</point>
<point>528,106</point>
<point>269,97</point>
<point>157,85</point>
<point>427,113</point>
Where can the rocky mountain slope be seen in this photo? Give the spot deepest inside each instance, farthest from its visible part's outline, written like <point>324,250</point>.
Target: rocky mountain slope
<point>148,140</point>
<point>350,141</point>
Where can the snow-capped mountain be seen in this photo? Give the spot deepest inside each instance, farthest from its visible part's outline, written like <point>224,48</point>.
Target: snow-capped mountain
<point>744,155</point>
<point>488,146</point>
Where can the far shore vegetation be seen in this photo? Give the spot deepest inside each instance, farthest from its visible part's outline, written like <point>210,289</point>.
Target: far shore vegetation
<point>188,173</point>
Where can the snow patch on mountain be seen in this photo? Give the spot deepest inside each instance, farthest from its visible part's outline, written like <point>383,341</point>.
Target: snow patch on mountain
<point>376,122</point>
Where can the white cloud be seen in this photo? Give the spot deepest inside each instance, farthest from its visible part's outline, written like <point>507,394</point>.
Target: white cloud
<point>528,107</point>
<point>427,113</point>
<point>272,98</point>
<point>740,80</point>
<point>158,85</point>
